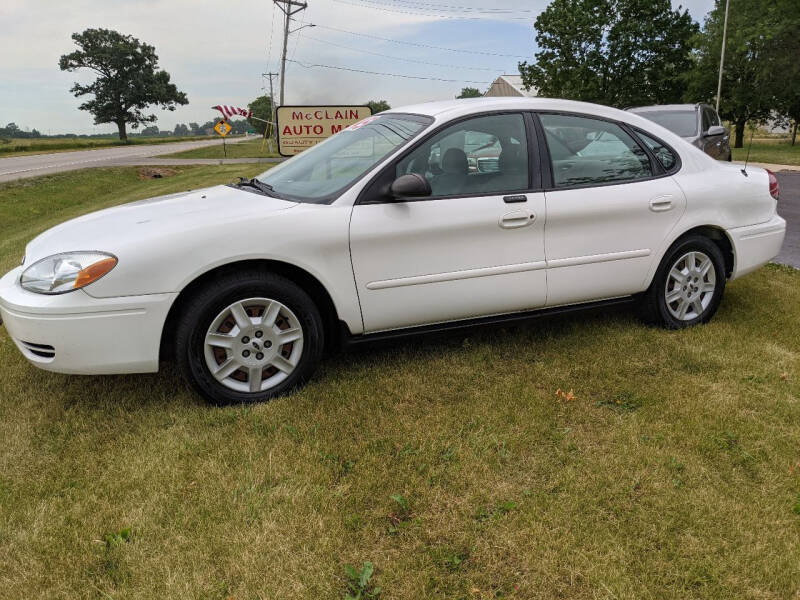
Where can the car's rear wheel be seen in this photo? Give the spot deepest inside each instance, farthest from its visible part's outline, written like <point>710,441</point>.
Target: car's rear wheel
<point>248,337</point>
<point>688,286</point>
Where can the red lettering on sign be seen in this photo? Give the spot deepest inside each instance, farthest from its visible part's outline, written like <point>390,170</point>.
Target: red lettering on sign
<point>335,129</point>
<point>297,116</point>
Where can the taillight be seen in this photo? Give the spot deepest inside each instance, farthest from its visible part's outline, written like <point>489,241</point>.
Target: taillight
<point>774,187</point>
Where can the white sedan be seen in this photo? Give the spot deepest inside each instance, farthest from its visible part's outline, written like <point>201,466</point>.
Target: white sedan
<point>428,216</point>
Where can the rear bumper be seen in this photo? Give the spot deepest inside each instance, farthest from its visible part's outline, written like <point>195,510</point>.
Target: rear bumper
<point>756,245</point>
<point>76,333</point>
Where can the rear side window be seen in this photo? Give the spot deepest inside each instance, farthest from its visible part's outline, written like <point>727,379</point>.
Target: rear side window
<point>663,154</point>
<point>586,151</point>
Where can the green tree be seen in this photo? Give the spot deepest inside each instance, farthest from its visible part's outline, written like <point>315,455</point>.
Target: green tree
<point>470,92</point>
<point>756,80</point>
<point>181,129</point>
<point>785,66</point>
<point>262,109</point>
<point>614,52</point>
<point>377,105</point>
<point>152,130</point>
<point>128,79</point>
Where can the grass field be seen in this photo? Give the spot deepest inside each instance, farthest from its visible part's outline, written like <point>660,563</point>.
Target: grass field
<point>21,147</point>
<point>247,149</point>
<point>667,467</point>
<point>776,151</point>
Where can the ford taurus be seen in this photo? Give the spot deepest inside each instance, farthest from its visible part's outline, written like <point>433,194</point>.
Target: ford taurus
<point>387,228</point>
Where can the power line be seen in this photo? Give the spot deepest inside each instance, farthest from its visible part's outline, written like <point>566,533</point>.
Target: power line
<point>310,66</point>
<point>446,7</point>
<point>411,60</point>
<point>418,45</point>
<point>426,14</point>
<point>449,7</point>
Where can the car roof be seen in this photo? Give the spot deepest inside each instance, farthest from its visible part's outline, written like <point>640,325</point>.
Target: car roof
<point>466,106</point>
<point>691,107</point>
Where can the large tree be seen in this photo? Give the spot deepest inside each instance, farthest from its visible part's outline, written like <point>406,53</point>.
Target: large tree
<point>614,52</point>
<point>128,79</point>
<point>761,57</point>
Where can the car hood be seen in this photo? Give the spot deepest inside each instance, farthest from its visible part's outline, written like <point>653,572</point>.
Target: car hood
<point>114,229</point>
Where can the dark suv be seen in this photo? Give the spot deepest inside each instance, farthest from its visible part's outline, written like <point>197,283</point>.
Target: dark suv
<point>698,124</point>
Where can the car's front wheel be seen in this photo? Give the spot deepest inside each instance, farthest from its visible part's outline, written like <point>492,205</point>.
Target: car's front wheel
<point>247,337</point>
<point>688,286</point>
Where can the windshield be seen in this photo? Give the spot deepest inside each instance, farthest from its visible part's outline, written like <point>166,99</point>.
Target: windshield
<point>680,122</point>
<point>323,171</point>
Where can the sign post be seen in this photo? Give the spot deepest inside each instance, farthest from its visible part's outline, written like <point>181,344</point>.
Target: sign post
<point>301,127</point>
<point>222,128</point>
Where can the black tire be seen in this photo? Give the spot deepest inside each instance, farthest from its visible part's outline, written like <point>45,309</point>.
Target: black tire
<point>653,306</point>
<point>211,300</point>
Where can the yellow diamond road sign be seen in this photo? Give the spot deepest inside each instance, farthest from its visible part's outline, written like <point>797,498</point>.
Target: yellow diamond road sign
<point>222,128</point>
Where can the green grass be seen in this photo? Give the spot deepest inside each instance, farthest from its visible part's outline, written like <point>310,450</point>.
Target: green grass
<point>21,147</point>
<point>451,466</point>
<point>777,151</point>
<point>247,149</point>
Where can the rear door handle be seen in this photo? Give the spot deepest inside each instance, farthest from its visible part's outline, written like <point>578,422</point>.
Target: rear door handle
<point>515,198</point>
<point>517,218</point>
<point>661,204</point>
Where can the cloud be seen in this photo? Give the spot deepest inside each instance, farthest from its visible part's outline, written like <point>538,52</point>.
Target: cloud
<point>216,52</point>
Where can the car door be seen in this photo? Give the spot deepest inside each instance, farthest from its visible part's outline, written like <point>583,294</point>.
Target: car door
<point>609,208</point>
<point>473,248</point>
<point>722,141</point>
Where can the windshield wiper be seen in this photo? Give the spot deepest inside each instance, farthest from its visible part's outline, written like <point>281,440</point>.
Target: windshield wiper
<point>265,188</point>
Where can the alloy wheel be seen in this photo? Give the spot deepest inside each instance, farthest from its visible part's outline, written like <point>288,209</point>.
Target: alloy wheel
<point>253,345</point>
<point>690,287</point>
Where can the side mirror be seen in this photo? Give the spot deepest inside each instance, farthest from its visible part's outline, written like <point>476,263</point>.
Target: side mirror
<point>411,185</point>
<point>715,130</point>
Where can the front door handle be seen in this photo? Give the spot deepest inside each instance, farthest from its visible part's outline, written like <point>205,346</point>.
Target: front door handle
<point>517,218</point>
<point>661,204</point>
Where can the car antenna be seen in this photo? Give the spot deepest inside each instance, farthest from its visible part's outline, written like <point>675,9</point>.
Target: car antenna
<point>750,145</point>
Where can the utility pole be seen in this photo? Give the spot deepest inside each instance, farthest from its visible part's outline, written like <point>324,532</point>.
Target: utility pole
<point>722,54</point>
<point>289,8</point>
<point>271,124</point>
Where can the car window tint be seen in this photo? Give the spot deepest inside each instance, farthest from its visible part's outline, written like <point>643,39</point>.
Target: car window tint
<point>705,121</point>
<point>587,151</point>
<point>480,156</point>
<point>663,154</point>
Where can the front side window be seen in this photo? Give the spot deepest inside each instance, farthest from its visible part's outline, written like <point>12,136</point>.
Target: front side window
<point>663,154</point>
<point>323,171</point>
<point>707,119</point>
<point>587,151</point>
<point>480,156</point>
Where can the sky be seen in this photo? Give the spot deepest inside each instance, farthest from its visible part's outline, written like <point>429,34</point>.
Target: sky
<point>216,51</point>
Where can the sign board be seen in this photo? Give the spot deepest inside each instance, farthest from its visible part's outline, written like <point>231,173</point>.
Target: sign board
<point>222,128</point>
<point>300,127</point>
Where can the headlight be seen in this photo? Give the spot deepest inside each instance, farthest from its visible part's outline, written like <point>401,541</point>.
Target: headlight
<point>66,272</point>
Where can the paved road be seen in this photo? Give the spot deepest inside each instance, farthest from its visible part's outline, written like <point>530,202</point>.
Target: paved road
<point>18,167</point>
<point>789,209</point>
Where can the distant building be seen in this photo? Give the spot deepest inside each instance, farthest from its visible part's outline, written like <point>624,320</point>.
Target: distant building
<point>509,85</point>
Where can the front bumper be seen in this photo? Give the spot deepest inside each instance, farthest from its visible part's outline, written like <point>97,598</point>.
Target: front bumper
<point>76,333</point>
<point>756,245</point>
